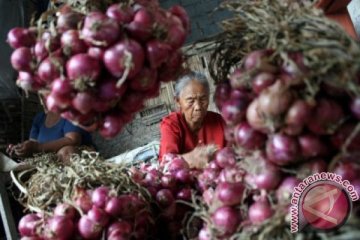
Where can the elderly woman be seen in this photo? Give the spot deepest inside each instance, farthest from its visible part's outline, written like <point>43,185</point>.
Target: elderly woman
<point>193,126</point>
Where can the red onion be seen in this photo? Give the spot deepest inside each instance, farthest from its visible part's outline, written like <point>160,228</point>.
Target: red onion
<point>89,229</point>
<point>236,80</point>
<point>326,117</point>
<point>172,67</point>
<point>71,43</point>
<point>225,157</point>
<point>231,174</point>
<point>114,206</point>
<point>176,164</point>
<point>181,13</point>
<point>234,110</point>
<point>28,225</point>
<point>183,176</point>
<point>260,211</point>
<point>126,54</point>
<point>122,13</point>
<point>111,126</point>
<point>108,90</point>
<point>266,176</point>
<point>47,44</point>
<point>82,200</point>
<point>132,101</point>
<point>286,189</point>
<point>282,149</point>
<point>312,146</point>
<point>96,52</point>
<point>229,194</point>
<point>164,197</point>
<point>176,35</point>
<point>342,134</point>
<point>207,178</point>
<point>356,184</point>
<point>99,30</point>
<point>214,165</point>
<point>168,181</point>
<point>67,20</point>
<point>316,165</point>
<point>22,59</point>
<point>50,69</point>
<point>347,170</point>
<point>169,212</point>
<point>296,67</point>
<point>83,102</point>
<point>59,227</point>
<point>144,80</point>
<point>28,82</point>
<point>100,196</point>
<point>247,137</point>
<point>98,215</point>
<point>82,66</point>
<point>184,194</point>
<point>21,37</point>
<point>275,100</point>
<point>254,117</point>
<point>61,86</point>
<point>65,210</point>
<point>142,25</point>
<point>355,107</point>
<point>157,53</point>
<point>152,178</point>
<point>299,113</point>
<point>120,226</point>
<point>262,81</point>
<point>255,59</point>
<point>226,219</point>
<point>205,234</point>
<point>221,94</point>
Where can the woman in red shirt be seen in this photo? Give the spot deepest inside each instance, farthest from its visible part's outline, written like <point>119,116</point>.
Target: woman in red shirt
<point>193,126</point>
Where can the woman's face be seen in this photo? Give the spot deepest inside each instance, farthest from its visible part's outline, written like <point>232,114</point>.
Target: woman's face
<point>193,102</point>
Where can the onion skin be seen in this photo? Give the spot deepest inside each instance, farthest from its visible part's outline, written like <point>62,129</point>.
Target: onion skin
<point>275,100</point>
<point>261,81</point>
<point>255,119</point>
<point>100,30</point>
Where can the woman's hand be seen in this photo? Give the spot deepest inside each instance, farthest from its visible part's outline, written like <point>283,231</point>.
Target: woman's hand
<point>27,148</point>
<point>199,156</point>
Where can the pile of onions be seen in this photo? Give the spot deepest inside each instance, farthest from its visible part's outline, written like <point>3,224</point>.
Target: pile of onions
<point>98,69</point>
<point>116,216</point>
<point>170,184</point>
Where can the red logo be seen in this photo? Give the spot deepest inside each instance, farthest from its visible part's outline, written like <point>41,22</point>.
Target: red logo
<point>325,206</point>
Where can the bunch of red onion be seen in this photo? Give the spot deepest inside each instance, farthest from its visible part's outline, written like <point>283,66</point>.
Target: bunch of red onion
<point>98,69</point>
<point>279,123</point>
<point>170,184</point>
<point>91,215</point>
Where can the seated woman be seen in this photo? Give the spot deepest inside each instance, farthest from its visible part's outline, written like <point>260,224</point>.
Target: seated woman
<point>185,131</point>
<point>51,133</point>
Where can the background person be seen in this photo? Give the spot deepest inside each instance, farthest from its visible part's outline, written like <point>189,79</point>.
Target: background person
<point>188,130</point>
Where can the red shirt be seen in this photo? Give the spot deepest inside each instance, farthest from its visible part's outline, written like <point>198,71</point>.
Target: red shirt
<point>176,136</point>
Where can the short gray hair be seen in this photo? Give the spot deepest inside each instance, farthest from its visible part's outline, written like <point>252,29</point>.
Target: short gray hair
<point>184,80</point>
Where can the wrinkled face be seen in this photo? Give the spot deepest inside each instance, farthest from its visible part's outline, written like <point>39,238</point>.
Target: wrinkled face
<point>193,102</point>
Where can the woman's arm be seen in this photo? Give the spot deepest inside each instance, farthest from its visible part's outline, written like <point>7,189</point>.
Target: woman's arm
<point>30,147</point>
